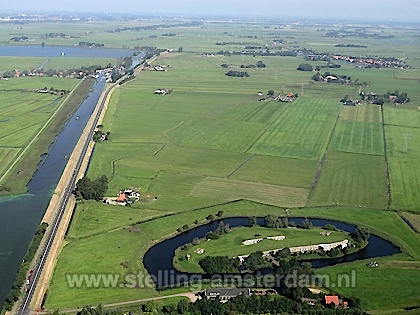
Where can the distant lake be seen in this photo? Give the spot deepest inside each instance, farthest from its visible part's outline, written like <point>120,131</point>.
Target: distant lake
<point>57,51</point>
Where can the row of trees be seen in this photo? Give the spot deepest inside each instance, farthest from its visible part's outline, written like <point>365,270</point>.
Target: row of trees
<point>396,97</point>
<point>89,44</point>
<point>221,229</point>
<point>91,189</point>
<point>254,304</point>
<point>233,73</point>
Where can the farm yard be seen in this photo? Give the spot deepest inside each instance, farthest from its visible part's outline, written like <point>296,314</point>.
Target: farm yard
<point>214,146</point>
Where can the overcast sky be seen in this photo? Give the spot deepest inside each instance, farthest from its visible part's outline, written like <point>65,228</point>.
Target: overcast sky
<point>389,10</point>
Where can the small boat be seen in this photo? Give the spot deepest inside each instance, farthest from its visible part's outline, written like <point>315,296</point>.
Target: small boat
<point>77,117</point>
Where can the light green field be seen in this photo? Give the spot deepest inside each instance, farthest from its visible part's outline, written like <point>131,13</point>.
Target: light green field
<point>358,137</point>
<point>25,112</point>
<point>402,117</point>
<point>276,170</point>
<point>10,63</point>
<point>396,144</point>
<point>351,179</point>
<point>231,244</point>
<point>404,176</point>
<point>32,83</point>
<point>390,275</point>
<point>301,131</point>
<point>22,114</point>
<point>362,113</point>
<point>59,63</point>
<point>93,217</point>
<point>229,190</point>
<point>7,156</point>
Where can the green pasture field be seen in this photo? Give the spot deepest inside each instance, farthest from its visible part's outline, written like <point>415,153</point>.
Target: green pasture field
<point>358,137</point>
<point>229,135</point>
<point>7,156</point>
<point>404,176</point>
<point>396,144</point>
<point>402,117</point>
<point>353,180</point>
<point>362,113</point>
<point>17,180</point>
<point>32,83</point>
<point>10,63</point>
<point>62,63</point>
<point>95,216</point>
<point>277,170</point>
<point>390,275</point>
<point>301,131</point>
<point>231,244</point>
<point>211,146</point>
<point>230,190</point>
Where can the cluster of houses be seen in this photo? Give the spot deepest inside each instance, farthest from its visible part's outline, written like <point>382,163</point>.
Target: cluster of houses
<point>280,98</point>
<point>225,294</point>
<point>372,62</point>
<point>367,62</point>
<point>285,98</point>
<point>328,300</point>
<point>125,197</point>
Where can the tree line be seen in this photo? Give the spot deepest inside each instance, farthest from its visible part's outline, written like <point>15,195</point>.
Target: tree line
<point>91,189</point>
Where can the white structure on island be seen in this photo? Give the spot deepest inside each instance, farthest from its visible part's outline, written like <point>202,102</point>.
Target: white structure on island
<point>252,242</point>
<point>276,238</point>
<point>302,249</point>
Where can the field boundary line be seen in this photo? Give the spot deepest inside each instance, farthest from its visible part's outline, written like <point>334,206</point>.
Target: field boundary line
<point>113,164</point>
<point>165,133</point>
<point>240,165</point>
<point>408,222</point>
<point>388,183</point>
<point>265,130</point>
<point>36,137</point>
